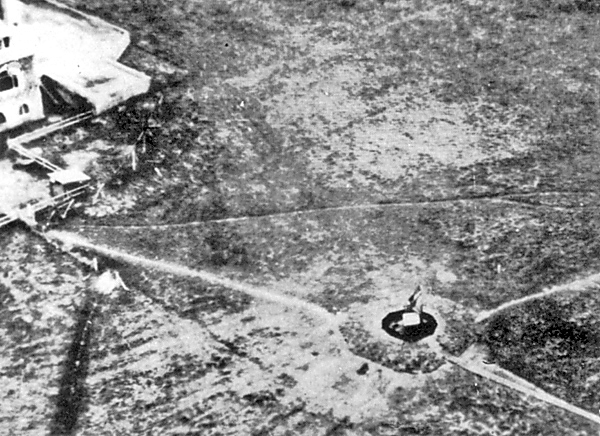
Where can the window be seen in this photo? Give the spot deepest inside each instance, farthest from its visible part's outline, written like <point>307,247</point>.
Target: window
<point>2,118</point>
<point>6,41</point>
<point>7,81</point>
<point>24,109</point>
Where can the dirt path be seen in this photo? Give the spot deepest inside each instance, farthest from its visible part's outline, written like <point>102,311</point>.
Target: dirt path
<point>591,283</point>
<point>73,240</point>
<point>503,198</point>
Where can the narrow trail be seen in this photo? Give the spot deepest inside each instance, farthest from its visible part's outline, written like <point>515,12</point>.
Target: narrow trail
<point>591,283</point>
<point>69,240</point>
<point>500,198</point>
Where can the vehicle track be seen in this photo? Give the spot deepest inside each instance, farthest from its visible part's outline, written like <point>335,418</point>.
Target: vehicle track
<point>70,240</point>
<point>500,198</point>
<point>591,283</point>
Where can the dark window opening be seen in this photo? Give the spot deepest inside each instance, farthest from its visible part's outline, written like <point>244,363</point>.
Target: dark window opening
<point>2,118</point>
<point>24,109</point>
<point>6,41</point>
<point>7,81</point>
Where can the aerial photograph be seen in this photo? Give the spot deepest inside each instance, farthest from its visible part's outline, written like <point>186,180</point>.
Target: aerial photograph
<point>299,217</point>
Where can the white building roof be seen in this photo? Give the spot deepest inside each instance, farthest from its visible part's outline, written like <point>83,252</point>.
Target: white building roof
<point>81,53</point>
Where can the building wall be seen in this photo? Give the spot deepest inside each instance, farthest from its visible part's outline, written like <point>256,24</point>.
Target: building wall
<point>20,95</point>
<point>11,11</point>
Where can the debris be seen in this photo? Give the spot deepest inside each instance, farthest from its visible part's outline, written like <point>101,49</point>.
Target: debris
<point>108,282</point>
<point>98,193</point>
<point>364,368</point>
<point>68,208</point>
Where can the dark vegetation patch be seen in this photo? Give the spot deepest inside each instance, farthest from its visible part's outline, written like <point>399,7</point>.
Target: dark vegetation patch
<point>163,130</point>
<point>5,296</point>
<point>539,9</point>
<point>554,344</point>
<point>263,399</point>
<point>225,251</point>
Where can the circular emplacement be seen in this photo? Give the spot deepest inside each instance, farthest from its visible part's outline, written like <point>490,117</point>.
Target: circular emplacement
<point>408,325</point>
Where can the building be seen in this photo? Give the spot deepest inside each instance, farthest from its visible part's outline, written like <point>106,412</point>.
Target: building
<point>20,93</point>
<point>54,60</point>
<point>49,51</point>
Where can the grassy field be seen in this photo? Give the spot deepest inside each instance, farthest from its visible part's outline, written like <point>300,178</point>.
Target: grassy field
<point>341,153</point>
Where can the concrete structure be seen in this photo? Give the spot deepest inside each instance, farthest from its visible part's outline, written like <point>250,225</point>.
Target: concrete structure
<point>79,53</point>
<point>20,94</point>
<point>53,56</point>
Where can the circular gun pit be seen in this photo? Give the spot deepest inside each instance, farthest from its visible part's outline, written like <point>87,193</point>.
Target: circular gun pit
<point>394,324</point>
